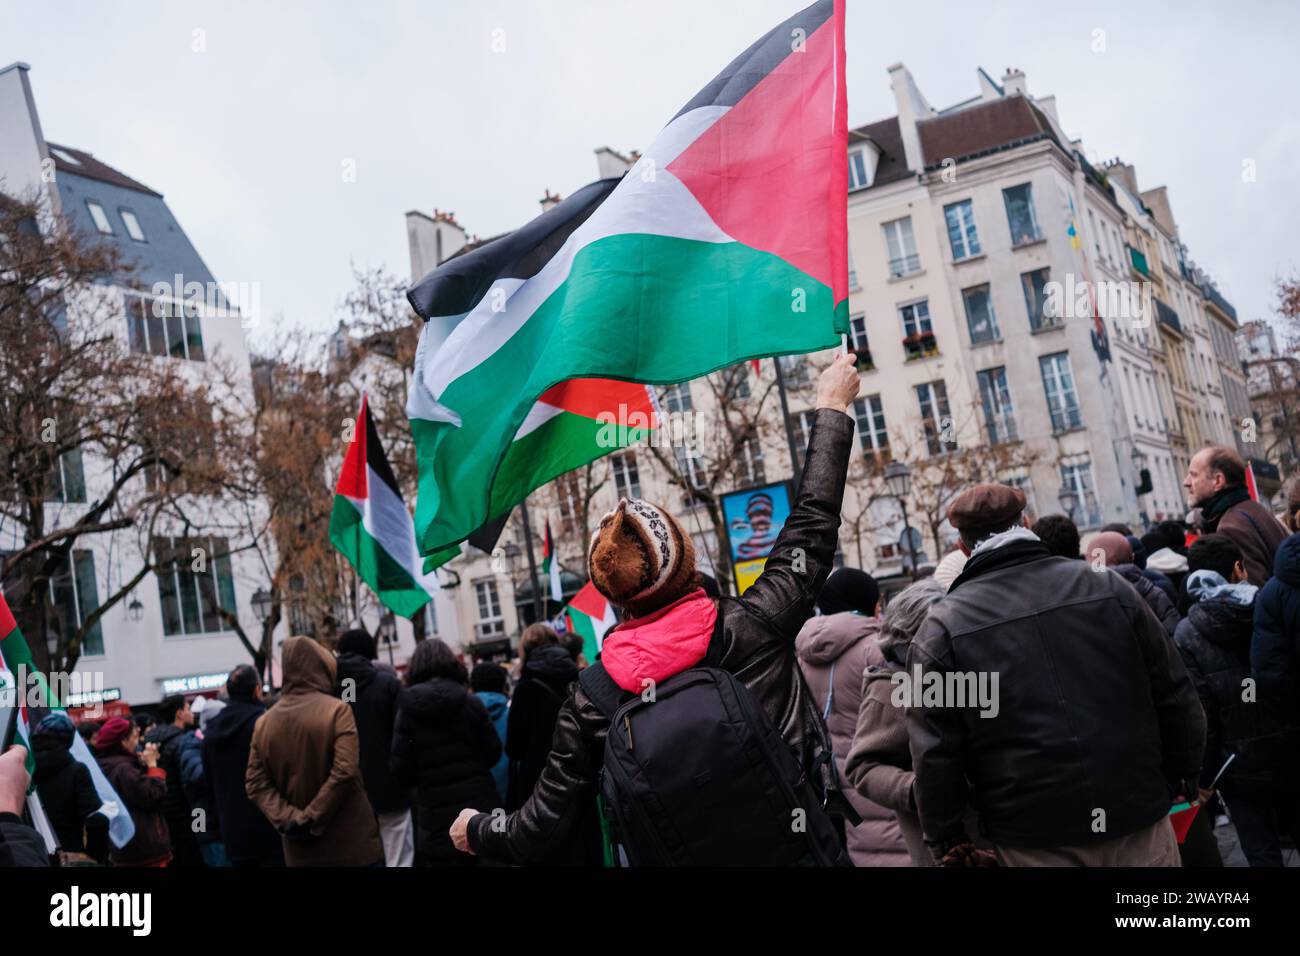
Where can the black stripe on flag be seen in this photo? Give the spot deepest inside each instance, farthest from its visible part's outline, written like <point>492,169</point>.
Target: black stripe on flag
<point>745,71</point>
<point>375,457</point>
<point>460,283</point>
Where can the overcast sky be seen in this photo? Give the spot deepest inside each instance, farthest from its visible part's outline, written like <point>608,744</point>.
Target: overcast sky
<point>248,137</point>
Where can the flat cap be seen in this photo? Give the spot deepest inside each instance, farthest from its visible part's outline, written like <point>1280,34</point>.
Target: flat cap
<point>986,507</point>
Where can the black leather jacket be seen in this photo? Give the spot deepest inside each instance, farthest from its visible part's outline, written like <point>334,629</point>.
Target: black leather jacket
<point>758,632</point>
<point>1097,718</point>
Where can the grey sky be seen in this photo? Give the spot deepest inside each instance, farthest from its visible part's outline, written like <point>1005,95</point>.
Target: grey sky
<point>247,140</point>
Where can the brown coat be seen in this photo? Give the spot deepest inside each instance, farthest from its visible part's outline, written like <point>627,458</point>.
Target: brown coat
<point>304,767</point>
<point>1257,535</point>
<point>842,646</point>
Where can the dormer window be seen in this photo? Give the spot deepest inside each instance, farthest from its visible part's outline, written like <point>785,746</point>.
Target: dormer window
<point>857,170</point>
<point>100,217</point>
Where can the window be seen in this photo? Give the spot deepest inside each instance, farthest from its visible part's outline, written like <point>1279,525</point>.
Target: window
<point>962,237</point>
<point>1027,488</point>
<point>156,327</point>
<point>794,369</point>
<point>100,217</point>
<point>903,259</point>
<point>801,425</point>
<point>735,382</point>
<point>858,333</point>
<point>980,320</point>
<point>933,399</point>
<point>64,155</point>
<point>132,225</point>
<point>569,491</point>
<point>689,466</point>
<point>1062,400</point>
<point>677,398</point>
<point>872,434</point>
<point>195,583</point>
<point>490,621</point>
<point>1019,201</point>
<point>1034,285</point>
<point>853,272</point>
<point>627,481</point>
<point>858,170</point>
<point>999,417</point>
<point>749,463</point>
<point>1078,477</point>
<point>916,318</point>
<point>67,479</point>
<point>76,597</point>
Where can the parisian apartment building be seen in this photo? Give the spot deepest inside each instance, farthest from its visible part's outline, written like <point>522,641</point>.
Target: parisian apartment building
<point>1012,297</point>
<point>167,636</point>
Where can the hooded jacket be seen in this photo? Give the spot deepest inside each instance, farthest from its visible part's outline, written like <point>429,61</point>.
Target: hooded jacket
<point>547,673</point>
<point>758,631</point>
<point>1214,640</point>
<point>227,738</point>
<point>373,694</point>
<point>1275,646</point>
<point>444,745</point>
<point>68,796</point>
<point>304,767</point>
<point>834,651</point>
<point>1094,706</point>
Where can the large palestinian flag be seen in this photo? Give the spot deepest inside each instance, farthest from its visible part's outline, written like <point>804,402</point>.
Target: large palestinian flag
<point>371,527</point>
<point>725,242</point>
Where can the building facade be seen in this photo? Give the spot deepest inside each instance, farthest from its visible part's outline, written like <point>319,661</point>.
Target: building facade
<point>167,635</point>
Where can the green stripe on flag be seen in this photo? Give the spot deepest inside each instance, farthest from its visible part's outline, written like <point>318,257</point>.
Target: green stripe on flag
<point>395,586</point>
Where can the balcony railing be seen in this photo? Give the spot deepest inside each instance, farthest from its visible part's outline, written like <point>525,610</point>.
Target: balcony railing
<point>920,345</point>
<point>1212,295</point>
<point>1168,316</point>
<point>904,266</point>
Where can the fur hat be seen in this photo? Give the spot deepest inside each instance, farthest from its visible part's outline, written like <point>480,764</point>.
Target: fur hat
<point>641,559</point>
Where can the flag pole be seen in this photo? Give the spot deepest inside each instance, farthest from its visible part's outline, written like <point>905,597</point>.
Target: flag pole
<point>532,564</point>
<point>785,418</point>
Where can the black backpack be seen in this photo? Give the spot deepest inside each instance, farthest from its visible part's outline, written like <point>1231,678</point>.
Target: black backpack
<point>700,776</point>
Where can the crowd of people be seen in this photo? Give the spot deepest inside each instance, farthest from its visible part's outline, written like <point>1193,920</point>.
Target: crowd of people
<point>1034,699</point>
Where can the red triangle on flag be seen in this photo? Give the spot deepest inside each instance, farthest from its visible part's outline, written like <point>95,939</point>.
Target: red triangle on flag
<point>352,476</point>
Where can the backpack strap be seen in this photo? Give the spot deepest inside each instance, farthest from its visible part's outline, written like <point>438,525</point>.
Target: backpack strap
<point>601,689</point>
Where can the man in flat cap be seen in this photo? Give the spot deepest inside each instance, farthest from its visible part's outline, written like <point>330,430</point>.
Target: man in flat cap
<point>1096,727</point>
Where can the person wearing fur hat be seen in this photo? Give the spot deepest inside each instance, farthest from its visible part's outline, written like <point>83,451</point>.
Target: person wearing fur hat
<point>142,785</point>
<point>643,562</point>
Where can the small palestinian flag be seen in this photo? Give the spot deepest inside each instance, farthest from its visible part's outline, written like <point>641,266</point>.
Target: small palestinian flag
<point>15,660</point>
<point>590,615</point>
<point>371,527</point>
<point>726,241</point>
<point>551,564</point>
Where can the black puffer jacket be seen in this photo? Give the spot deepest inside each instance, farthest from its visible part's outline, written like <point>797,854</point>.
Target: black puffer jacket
<point>445,746</point>
<point>758,634</point>
<point>248,835</point>
<point>1154,596</point>
<point>69,797</point>
<point>374,705</point>
<point>1275,648</point>
<point>1215,643</point>
<point>548,672</point>
<point>1095,708</point>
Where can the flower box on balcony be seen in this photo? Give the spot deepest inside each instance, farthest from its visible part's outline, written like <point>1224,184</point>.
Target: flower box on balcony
<point>919,345</point>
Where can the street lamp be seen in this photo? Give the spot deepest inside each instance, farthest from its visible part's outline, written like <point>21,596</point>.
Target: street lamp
<point>135,609</point>
<point>261,602</point>
<point>388,633</point>
<point>898,479</point>
<point>1068,499</point>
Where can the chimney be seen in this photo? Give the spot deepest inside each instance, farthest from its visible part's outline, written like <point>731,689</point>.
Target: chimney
<point>912,107</point>
<point>432,240</point>
<point>610,163</point>
<point>1014,82</point>
<point>1048,105</point>
<point>550,200</point>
